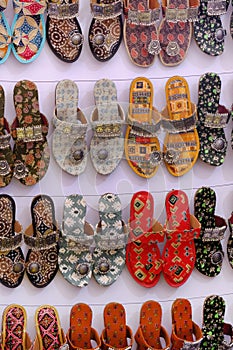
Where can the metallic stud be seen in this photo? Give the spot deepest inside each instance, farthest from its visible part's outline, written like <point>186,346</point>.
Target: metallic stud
<point>154,47</point>
<point>217,258</point>
<point>99,39</point>
<point>172,48</point>
<point>155,158</point>
<point>219,35</point>
<point>78,155</point>
<point>102,154</point>
<point>34,268</point>
<point>219,144</point>
<point>76,39</point>
<point>83,269</point>
<point>4,168</point>
<point>104,267</point>
<point>18,267</point>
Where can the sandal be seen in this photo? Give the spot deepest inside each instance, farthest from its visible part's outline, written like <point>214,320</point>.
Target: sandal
<point>29,131</point>
<point>186,334</point>
<point>209,251</point>
<point>6,154</point>
<point>116,333</point>
<point>5,34</point>
<point>181,143</point>
<point>140,32</point>
<point>212,118</point>
<point>107,144</point>
<point>181,228</point>
<point>12,262</point>
<point>80,334</point>
<point>69,145</point>
<point>75,258</point>
<point>142,148</point>
<point>105,32</point>
<point>63,31</point>
<point>110,241</point>
<point>14,324</point>
<point>150,329</point>
<point>42,239</point>
<point>28,29</point>
<point>143,258</point>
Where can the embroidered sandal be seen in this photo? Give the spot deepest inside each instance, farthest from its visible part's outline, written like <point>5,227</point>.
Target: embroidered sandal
<point>143,258</point>
<point>116,333</point>
<point>209,251</point>
<point>107,144</point>
<point>42,239</point>
<point>150,331</point>
<point>181,228</point>
<point>5,34</point>
<point>110,241</point>
<point>69,145</point>
<point>80,334</point>
<point>140,32</point>
<point>212,118</point>
<point>105,32</point>
<point>186,334</point>
<point>181,143</point>
<point>142,148</point>
<point>63,31</point>
<point>11,256</point>
<point>29,131</point>
<point>75,257</point>
<point>28,29</point>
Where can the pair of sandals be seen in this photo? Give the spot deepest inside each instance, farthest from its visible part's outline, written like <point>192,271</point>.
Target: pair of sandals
<point>29,159</point>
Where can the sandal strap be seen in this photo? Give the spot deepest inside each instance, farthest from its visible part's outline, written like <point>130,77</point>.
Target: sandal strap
<point>179,343</point>
<point>10,243</point>
<point>215,233</point>
<point>189,14</point>
<point>216,120</point>
<point>50,239</point>
<point>106,10</point>
<point>216,7</point>
<point>145,18</point>
<point>94,336</point>
<point>139,337</point>
<point>5,141</point>
<point>106,346</point>
<point>143,129</point>
<point>106,129</point>
<point>30,8</point>
<point>185,235</point>
<point>111,242</point>
<point>63,10</point>
<point>79,242</point>
<point>71,129</point>
<point>29,133</point>
<point>181,125</point>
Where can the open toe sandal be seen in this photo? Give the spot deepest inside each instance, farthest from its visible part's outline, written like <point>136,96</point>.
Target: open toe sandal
<point>42,239</point>
<point>106,28</point>
<point>107,144</point>
<point>150,331</point>
<point>181,228</point>
<point>209,251</point>
<point>69,144</point>
<point>140,31</point>
<point>75,257</point>
<point>181,143</point>
<point>12,262</point>
<point>14,325</point>
<point>142,148</point>
<point>81,334</point>
<point>29,131</point>
<point>110,241</point>
<point>212,118</point>
<point>143,258</point>
<point>116,334</point>
<point>5,34</point>
<point>186,334</point>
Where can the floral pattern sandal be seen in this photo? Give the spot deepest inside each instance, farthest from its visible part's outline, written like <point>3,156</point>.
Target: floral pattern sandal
<point>212,118</point>
<point>29,131</point>
<point>209,251</point>
<point>5,33</point>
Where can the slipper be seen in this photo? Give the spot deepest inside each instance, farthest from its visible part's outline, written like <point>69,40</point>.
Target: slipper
<point>212,118</point>
<point>181,143</point>
<point>5,34</point>
<point>116,334</point>
<point>75,257</point>
<point>140,32</point>
<point>6,154</point>
<point>150,329</point>
<point>80,334</point>
<point>143,258</point>
<point>11,255</point>
<point>175,30</point>
<point>29,131</point>
<point>207,29</point>
<point>106,28</point>
<point>14,324</point>
<point>110,241</point>
<point>209,251</point>
<point>213,322</point>
<point>28,29</point>
<point>186,334</point>
<point>107,144</point>
<point>181,228</point>
<point>69,145</point>
<point>49,334</point>
<point>63,31</point>
<point>142,148</point>
<point>42,239</point>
